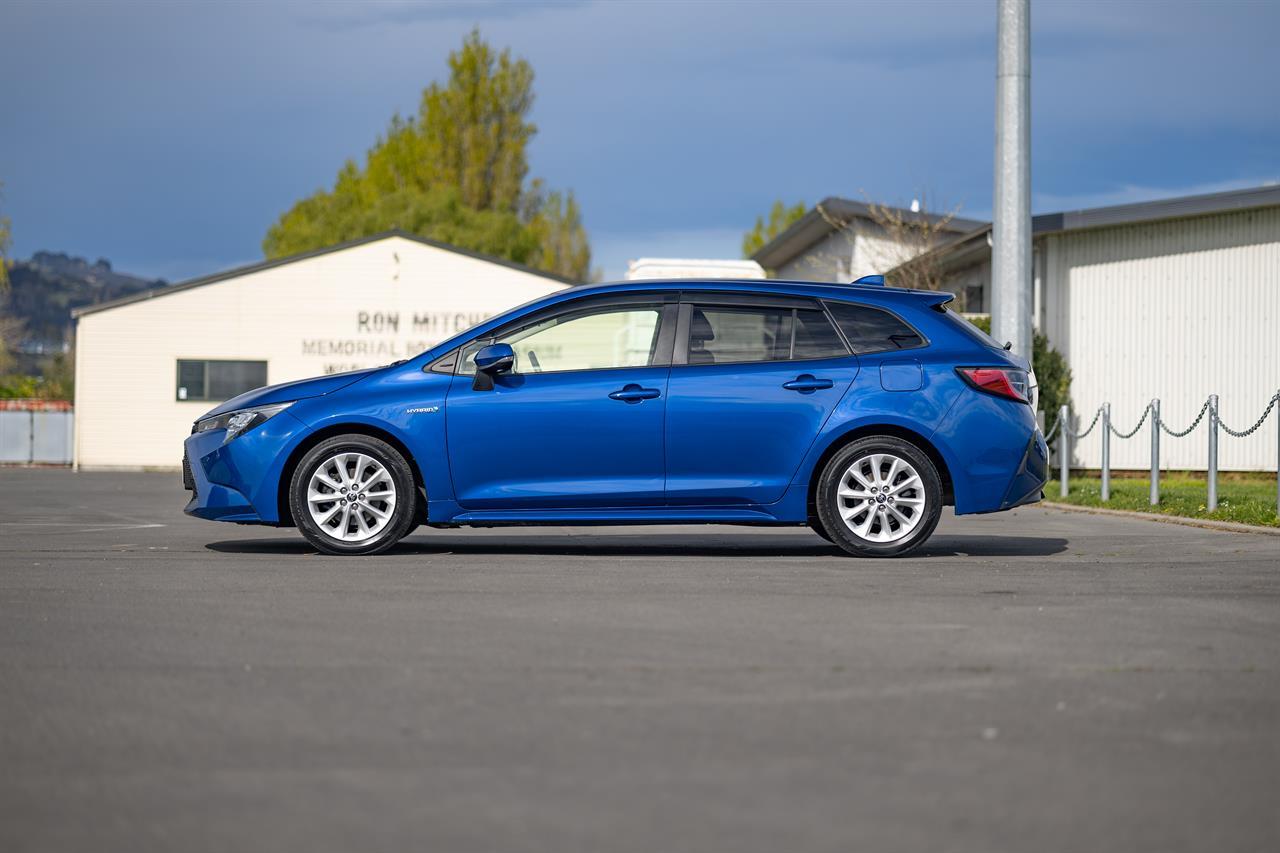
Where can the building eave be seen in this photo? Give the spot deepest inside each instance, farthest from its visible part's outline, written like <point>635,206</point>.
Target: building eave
<point>824,219</point>
<point>248,269</point>
<point>964,250</point>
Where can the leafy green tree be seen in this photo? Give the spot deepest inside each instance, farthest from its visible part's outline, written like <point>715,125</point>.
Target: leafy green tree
<point>456,172</point>
<point>58,377</point>
<point>781,218</point>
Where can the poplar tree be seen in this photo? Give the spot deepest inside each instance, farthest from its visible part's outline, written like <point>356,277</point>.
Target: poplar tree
<point>456,172</point>
<point>780,219</point>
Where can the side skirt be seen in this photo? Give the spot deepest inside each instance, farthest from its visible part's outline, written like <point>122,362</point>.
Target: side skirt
<point>659,515</point>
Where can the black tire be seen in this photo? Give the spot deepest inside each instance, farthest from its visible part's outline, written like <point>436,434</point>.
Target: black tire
<point>816,526</point>
<point>397,474</point>
<point>880,513</point>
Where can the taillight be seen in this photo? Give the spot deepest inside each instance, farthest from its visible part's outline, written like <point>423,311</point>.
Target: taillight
<point>1006,382</point>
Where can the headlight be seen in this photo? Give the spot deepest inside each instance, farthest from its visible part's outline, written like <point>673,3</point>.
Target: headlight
<point>241,421</point>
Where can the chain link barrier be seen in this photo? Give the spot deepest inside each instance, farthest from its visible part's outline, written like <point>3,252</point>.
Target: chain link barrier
<point>1131,433</point>
<point>1159,425</point>
<point>1188,430</point>
<point>1092,424</point>
<point>1256,424</point>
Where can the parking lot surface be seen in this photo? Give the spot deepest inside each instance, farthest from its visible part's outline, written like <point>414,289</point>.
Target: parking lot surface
<point>1033,680</point>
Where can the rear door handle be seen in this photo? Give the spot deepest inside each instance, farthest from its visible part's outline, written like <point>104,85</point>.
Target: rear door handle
<point>806,383</point>
<point>634,394</point>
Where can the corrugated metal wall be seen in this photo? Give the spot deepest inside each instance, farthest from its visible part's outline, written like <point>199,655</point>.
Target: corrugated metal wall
<point>1176,310</point>
<point>37,434</point>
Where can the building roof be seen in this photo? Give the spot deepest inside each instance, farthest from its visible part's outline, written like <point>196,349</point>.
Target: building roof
<point>826,217</point>
<point>1151,211</point>
<point>302,256</point>
<point>975,245</point>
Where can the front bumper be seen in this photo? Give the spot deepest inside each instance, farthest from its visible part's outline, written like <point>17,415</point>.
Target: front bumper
<point>239,480</point>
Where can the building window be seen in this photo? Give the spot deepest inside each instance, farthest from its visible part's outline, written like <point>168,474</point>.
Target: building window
<point>203,379</point>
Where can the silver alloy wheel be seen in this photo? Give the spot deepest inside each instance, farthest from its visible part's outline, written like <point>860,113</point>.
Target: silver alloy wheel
<point>351,497</point>
<point>881,497</point>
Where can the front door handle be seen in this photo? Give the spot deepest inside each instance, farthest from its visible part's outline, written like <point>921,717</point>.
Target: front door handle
<point>634,394</point>
<point>806,383</point>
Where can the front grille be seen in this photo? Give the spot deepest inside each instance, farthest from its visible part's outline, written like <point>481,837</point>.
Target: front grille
<point>188,480</point>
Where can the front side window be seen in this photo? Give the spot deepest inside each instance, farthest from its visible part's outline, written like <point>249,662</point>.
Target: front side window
<point>735,335</point>
<point>600,340</point>
<point>871,330</point>
<point>217,380</point>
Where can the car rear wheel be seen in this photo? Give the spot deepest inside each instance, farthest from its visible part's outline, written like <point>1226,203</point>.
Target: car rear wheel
<point>879,496</point>
<point>353,494</point>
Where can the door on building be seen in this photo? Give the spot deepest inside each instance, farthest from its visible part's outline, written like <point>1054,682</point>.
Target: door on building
<point>578,421</point>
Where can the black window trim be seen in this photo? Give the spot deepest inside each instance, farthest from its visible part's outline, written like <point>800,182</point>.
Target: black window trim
<point>925,342</point>
<point>720,299</point>
<point>665,301</point>
<point>205,398</point>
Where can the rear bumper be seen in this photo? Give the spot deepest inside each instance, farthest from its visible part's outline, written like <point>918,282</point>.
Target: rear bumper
<point>1027,485</point>
<point>995,453</point>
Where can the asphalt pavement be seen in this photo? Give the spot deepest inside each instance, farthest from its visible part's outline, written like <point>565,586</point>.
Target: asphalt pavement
<point>1030,681</point>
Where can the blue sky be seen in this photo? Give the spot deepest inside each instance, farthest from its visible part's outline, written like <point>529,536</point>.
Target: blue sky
<point>168,136</point>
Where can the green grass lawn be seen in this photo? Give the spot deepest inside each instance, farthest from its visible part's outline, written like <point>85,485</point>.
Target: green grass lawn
<point>1250,501</point>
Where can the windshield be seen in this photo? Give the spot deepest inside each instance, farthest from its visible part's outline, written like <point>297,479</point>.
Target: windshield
<point>973,329</point>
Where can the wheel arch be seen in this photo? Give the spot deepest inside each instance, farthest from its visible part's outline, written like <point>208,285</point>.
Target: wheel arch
<point>866,430</point>
<point>349,428</point>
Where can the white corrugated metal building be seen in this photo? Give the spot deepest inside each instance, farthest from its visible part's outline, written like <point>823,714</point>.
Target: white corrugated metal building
<point>1175,299</point>
<point>148,365</point>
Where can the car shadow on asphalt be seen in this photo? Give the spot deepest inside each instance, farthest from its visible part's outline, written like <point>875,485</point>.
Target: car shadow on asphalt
<point>680,545</point>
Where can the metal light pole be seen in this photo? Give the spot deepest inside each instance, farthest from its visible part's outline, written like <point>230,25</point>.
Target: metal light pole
<point>1011,297</point>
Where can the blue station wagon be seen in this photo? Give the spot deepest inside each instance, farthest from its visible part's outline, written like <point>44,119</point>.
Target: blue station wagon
<point>859,410</point>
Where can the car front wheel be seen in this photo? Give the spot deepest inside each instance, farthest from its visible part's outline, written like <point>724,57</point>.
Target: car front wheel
<point>353,494</point>
<point>879,496</point>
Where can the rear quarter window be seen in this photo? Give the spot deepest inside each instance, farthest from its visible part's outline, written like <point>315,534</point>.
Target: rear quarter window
<point>871,330</point>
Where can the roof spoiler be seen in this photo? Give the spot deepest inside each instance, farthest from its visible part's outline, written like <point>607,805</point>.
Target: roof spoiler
<point>877,280</point>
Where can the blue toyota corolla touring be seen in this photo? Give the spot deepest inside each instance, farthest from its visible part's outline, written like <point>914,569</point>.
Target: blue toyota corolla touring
<point>858,410</point>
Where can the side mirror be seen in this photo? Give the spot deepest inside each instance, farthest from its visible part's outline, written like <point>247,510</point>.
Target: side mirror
<point>491,361</point>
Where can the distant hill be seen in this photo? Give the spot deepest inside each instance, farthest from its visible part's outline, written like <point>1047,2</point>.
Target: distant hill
<point>44,289</point>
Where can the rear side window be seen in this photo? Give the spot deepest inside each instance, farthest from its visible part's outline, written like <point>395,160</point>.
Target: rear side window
<point>734,335</point>
<point>873,330</point>
<point>816,337</point>
<point>729,335</point>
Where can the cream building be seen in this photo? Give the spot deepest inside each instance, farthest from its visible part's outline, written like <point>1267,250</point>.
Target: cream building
<point>148,365</point>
